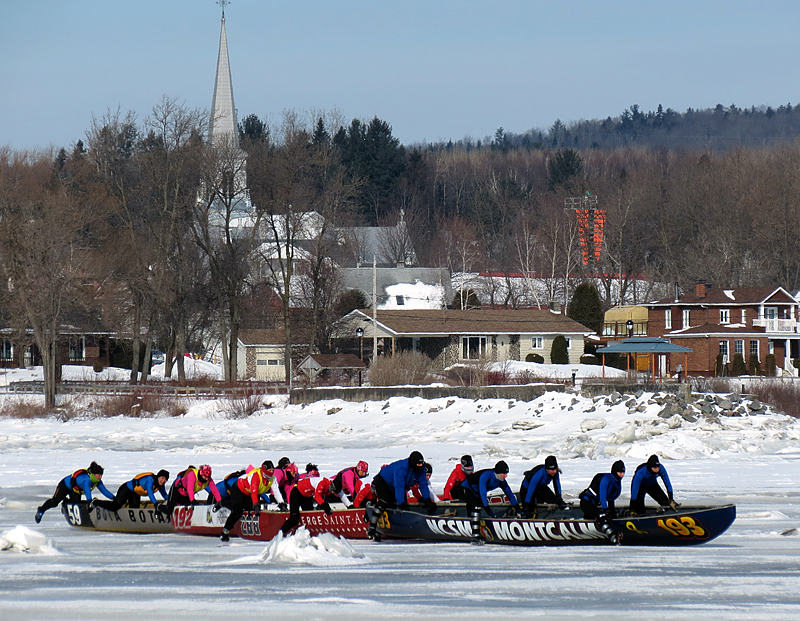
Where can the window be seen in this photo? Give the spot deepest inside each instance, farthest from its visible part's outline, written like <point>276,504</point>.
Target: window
<point>668,319</point>
<point>686,318</point>
<point>738,347</point>
<point>400,300</point>
<point>723,349</point>
<point>6,351</point>
<point>537,342</point>
<point>272,362</point>
<point>473,347</point>
<point>754,349</point>
<point>569,342</point>
<point>744,316</point>
<point>77,349</point>
<point>261,363</point>
<point>771,312</point>
<point>724,315</point>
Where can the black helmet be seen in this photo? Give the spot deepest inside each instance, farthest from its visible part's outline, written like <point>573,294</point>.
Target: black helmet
<point>163,473</point>
<point>428,468</point>
<point>653,461</point>
<point>268,465</point>
<point>284,461</point>
<point>501,467</point>
<point>466,464</point>
<point>550,463</point>
<point>311,467</point>
<point>618,466</point>
<point>95,468</point>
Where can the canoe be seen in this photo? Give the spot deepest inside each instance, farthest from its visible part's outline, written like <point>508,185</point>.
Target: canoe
<point>552,526</point>
<point>142,520</point>
<point>347,523</point>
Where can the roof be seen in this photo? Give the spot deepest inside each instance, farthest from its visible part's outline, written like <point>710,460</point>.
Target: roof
<point>643,345</point>
<point>720,329</point>
<point>333,361</point>
<point>388,277</point>
<point>262,337</point>
<point>474,322</point>
<point>731,297</point>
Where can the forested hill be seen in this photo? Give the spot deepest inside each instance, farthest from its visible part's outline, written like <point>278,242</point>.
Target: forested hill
<point>718,128</point>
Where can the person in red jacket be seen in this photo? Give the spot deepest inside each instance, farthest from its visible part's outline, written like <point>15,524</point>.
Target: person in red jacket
<point>244,496</point>
<point>302,498</point>
<point>452,490</point>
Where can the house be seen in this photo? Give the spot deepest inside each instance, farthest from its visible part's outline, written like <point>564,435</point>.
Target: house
<point>260,355</point>
<point>455,336</point>
<point>398,287</point>
<point>753,321</point>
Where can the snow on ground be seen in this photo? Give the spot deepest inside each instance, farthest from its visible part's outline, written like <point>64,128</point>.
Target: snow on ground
<point>749,572</point>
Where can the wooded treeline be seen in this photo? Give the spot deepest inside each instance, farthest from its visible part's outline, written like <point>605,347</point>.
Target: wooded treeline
<point>141,226</point>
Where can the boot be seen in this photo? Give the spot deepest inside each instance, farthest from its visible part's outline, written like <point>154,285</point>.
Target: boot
<point>377,513</point>
<point>475,523</point>
<point>225,536</point>
<point>39,514</point>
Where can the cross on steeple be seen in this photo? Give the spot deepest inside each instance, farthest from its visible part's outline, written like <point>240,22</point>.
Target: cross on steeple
<point>223,4</point>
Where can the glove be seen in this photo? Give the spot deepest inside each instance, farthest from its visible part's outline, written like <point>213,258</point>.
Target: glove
<point>489,511</point>
<point>430,506</point>
<point>674,505</point>
<point>216,507</point>
<point>623,513</point>
<point>560,502</point>
<point>256,509</point>
<point>282,506</point>
<point>91,505</point>
<point>403,506</point>
<point>521,512</point>
<point>324,506</point>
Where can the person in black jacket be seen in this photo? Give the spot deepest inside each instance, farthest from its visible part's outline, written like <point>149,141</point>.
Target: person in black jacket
<point>597,500</point>
<point>474,492</point>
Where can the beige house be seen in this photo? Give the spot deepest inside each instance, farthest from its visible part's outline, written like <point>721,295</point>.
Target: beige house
<point>260,355</point>
<point>453,336</point>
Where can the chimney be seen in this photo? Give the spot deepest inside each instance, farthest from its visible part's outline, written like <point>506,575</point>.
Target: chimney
<point>554,306</point>
<point>700,289</point>
<point>677,293</point>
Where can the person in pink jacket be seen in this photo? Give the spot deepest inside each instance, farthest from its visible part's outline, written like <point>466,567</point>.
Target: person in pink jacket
<point>290,478</point>
<point>347,483</point>
<point>187,484</point>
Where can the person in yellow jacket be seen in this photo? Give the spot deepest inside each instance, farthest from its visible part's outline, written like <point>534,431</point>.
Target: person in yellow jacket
<point>244,496</point>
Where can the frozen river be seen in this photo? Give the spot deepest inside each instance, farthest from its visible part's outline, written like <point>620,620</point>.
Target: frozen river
<point>749,572</point>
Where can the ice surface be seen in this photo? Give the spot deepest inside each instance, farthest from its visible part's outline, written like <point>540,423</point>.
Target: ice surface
<point>749,572</point>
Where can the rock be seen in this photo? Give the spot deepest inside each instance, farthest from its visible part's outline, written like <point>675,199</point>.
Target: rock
<point>641,407</point>
<point>755,405</point>
<point>450,402</point>
<point>789,532</point>
<point>675,422</point>
<point>724,402</point>
<point>574,401</point>
<point>587,424</point>
<point>689,417</point>
<point>334,410</point>
<point>521,425</point>
<point>665,413</point>
<point>590,409</point>
<point>630,403</point>
<point>385,406</point>
<point>638,394</point>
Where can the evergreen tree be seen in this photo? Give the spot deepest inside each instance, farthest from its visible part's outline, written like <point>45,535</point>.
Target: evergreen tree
<point>559,353</point>
<point>586,307</point>
<point>564,169</point>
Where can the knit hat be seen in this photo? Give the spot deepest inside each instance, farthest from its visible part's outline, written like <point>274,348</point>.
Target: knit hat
<point>653,461</point>
<point>284,461</point>
<point>618,466</point>
<point>163,473</point>
<point>416,460</point>
<point>550,463</point>
<point>268,465</point>
<point>466,464</point>
<point>95,468</point>
<point>501,467</point>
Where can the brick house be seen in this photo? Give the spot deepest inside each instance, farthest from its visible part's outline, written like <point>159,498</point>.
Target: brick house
<point>453,336</point>
<point>749,321</point>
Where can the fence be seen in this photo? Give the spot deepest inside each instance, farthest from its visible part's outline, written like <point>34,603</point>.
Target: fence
<point>114,388</point>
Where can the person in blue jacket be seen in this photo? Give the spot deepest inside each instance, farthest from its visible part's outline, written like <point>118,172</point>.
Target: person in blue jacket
<point>535,488</point>
<point>131,492</point>
<point>391,485</point>
<point>475,489</point>
<point>645,481</point>
<point>224,488</point>
<point>597,500</point>
<point>81,481</point>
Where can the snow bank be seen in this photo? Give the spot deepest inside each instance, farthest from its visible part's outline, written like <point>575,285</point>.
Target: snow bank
<point>23,539</point>
<point>321,551</point>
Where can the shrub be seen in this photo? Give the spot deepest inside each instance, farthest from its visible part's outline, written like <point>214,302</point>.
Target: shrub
<point>769,365</point>
<point>559,353</point>
<point>21,408</point>
<point>719,366</point>
<point>407,367</point>
<point>243,407</point>
<point>737,367</point>
<point>98,367</point>
<point>534,358</point>
<point>755,366</point>
<point>784,396</point>
<point>590,359</point>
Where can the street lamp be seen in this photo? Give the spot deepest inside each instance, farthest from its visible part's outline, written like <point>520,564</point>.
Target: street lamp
<point>360,335</point>
<point>629,325</point>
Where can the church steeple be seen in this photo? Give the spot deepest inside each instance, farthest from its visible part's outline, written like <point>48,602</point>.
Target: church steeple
<point>223,111</point>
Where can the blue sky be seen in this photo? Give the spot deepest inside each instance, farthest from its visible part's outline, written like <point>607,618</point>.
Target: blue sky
<point>435,69</point>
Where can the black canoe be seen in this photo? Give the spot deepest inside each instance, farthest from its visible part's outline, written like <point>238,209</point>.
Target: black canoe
<point>551,526</point>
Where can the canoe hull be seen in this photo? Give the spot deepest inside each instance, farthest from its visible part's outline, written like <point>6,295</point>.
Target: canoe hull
<point>143,520</point>
<point>689,526</point>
